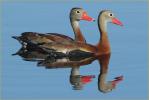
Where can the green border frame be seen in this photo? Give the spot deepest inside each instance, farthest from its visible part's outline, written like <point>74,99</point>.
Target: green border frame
<point>32,1</point>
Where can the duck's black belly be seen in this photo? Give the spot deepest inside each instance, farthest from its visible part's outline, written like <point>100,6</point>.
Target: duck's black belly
<point>75,55</point>
<point>61,60</point>
<point>78,55</point>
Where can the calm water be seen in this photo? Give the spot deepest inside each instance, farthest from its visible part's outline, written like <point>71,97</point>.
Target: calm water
<point>24,80</point>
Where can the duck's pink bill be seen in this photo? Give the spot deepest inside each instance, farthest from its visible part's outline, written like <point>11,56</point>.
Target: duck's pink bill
<point>86,17</point>
<point>116,21</point>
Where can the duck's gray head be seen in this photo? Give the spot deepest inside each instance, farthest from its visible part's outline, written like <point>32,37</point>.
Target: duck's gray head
<point>79,14</point>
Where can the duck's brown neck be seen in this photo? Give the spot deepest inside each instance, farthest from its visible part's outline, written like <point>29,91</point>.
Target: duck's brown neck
<point>76,28</point>
<point>103,44</point>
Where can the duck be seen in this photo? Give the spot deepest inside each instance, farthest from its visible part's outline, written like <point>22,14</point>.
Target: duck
<point>76,14</point>
<point>31,38</point>
<point>101,51</point>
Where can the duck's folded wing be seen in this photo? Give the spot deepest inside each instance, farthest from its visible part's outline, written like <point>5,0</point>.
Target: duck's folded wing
<point>37,38</point>
<point>61,36</point>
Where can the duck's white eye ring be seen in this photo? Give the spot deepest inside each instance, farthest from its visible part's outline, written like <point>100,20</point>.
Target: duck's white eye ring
<point>77,11</point>
<point>110,14</point>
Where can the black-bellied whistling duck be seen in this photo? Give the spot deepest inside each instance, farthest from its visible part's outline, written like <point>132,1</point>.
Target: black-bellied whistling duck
<point>101,51</point>
<point>76,14</point>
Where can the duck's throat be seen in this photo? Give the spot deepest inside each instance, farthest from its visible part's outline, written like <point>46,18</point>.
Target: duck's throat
<point>78,34</point>
<point>103,43</point>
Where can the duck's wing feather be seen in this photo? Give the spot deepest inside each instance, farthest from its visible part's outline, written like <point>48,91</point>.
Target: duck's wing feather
<point>37,38</point>
<point>61,35</point>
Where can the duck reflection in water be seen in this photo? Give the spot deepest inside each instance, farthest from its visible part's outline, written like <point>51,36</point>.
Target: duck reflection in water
<point>77,80</point>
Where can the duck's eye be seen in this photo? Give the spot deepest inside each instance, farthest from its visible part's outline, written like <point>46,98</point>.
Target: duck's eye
<point>77,11</point>
<point>111,14</point>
